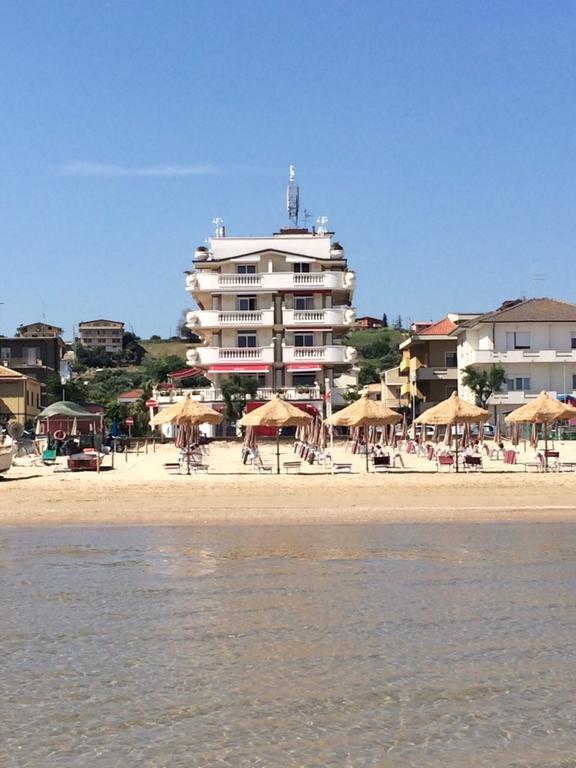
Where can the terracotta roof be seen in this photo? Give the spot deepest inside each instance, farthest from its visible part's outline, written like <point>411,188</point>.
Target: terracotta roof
<point>131,393</point>
<point>8,373</point>
<point>441,328</point>
<point>532,311</point>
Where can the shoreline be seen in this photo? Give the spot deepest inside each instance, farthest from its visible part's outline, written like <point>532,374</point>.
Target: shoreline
<point>140,492</point>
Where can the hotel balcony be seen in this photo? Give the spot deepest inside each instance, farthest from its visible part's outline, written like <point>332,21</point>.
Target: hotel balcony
<point>325,355</point>
<point>434,374</point>
<point>515,398</point>
<point>334,316</point>
<point>268,282</point>
<point>213,356</point>
<point>486,357</point>
<point>22,362</point>
<point>213,318</point>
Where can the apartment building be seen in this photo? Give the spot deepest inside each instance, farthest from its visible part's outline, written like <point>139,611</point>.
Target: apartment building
<point>534,340</point>
<point>20,396</point>
<point>101,333</point>
<point>38,357</point>
<point>276,308</point>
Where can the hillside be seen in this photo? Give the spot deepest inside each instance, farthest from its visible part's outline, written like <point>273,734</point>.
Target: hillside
<point>165,348</point>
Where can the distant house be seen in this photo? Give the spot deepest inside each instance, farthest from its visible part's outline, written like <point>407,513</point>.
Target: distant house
<point>130,396</point>
<point>101,333</point>
<point>368,322</point>
<point>38,357</point>
<point>36,330</point>
<point>19,396</point>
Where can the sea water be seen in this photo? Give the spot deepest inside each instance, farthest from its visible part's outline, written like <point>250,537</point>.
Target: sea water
<point>281,647</point>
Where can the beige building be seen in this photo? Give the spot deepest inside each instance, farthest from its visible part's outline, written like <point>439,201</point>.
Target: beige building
<point>19,396</point>
<point>39,330</point>
<point>101,333</point>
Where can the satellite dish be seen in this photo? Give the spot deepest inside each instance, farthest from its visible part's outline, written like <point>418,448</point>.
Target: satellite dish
<point>15,429</point>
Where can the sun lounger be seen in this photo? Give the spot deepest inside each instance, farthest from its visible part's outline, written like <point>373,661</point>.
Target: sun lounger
<point>445,460</point>
<point>382,463</point>
<point>472,463</point>
<point>289,466</point>
<point>341,467</point>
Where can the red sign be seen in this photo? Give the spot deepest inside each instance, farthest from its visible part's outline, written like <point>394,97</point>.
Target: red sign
<point>151,403</point>
<point>129,421</point>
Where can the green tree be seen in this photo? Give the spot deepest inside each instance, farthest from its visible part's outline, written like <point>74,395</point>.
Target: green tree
<point>132,351</point>
<point>483,383</point>
<point>74,390</point>
<point>235,390</point>
<point>369,374</point>
<point>156,369</point>
<point>398,323</point>
<point>385,320</point>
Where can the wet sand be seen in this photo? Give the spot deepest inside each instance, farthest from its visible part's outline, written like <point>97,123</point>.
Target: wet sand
<point>140,491</point>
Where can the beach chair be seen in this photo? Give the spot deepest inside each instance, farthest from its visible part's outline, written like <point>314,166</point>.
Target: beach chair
<point>445,460</point>
<point>535,466</point>
<point>292,466</point>
<point>472,463</point>
<point>552,458</point>
<point>510,456</point>
<point>382,463</point>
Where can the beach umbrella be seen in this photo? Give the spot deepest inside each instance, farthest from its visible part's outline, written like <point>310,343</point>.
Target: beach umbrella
<point>452,411</point>
<point>187,411</point>
<point>364,413</point>
<point>276,413</point>
<point>543,410</point>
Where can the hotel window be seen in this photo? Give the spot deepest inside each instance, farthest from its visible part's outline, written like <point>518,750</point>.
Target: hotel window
<point>517,340</point>
<point>246,269</point>
<point>31,355</point>
<point>246,303</point>
<point>573,340</point>
<point>303,339</point>
<point>451,360</point>
<point>301,266</point>
<point>303,379</point>
<point>303,302</point>
<point>6,354</point>
<point>246,339</point>
<point>518,384</point>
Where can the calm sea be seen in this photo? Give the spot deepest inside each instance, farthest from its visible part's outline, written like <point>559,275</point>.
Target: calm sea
<point>279,647</point>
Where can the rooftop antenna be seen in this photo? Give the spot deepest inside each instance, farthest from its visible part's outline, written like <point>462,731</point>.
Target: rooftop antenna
<point>307,217</point>
<point>293,198</point>
<point>321,221</point>
<point>220,230</point>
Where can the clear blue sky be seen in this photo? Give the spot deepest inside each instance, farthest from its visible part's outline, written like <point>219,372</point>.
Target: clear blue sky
<point>438,137</point>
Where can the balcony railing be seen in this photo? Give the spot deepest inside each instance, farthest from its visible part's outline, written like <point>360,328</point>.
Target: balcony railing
<point>330,316</point>
<point>485,356</point>
<point>213,318</point>
<point>213,355</point>
<point>22,362</point>
<point>332,354</point>
<point>208,281</point>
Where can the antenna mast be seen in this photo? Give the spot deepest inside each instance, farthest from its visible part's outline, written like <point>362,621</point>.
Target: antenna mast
<point>293,198</point>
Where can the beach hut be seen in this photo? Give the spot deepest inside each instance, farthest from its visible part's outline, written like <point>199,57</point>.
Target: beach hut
<point>543,410</point>
<point>364,413</point>
<point>452,412</point>
<point>276,413</point>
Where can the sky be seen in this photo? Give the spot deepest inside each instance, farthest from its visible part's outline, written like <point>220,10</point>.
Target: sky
<point>438,138</point>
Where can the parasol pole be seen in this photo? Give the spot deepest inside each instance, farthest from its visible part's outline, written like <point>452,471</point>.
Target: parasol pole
<point>456,445</point>
<point>545,425</point>
<point>328,397</point>
<point>366,438</point>
<point>277,450</point>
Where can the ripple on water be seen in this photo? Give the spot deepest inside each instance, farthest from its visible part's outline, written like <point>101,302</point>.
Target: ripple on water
<point>356,646</point>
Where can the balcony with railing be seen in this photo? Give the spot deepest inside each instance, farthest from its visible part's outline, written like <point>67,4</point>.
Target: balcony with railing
<point>22,362</point>
<point>333,316</point>
<point>328,355</point>
<point>486,357</point>
<point>214,355</point>
<point>208,281</point>
<point>436,373</point>
<point>213,318</point>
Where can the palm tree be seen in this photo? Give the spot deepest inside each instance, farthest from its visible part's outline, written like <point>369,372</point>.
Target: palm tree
<point>483,383</point>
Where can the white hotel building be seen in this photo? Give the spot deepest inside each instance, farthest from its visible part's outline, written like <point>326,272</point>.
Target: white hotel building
<point>274,308</point>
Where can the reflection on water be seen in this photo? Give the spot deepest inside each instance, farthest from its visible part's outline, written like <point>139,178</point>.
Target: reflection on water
<point>354,646</point>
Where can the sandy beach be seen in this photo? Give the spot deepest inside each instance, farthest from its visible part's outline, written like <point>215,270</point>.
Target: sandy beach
<point>140,491</point>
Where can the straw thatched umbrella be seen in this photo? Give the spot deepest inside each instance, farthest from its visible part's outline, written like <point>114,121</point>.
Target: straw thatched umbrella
<point>364,413</point>
<point>542,410</point>
<point>276,413</point>
<point>451,412</point>
<point>185,414</point>
<point>187,411</point>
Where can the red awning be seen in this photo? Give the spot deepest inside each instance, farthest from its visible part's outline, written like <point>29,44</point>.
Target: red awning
<point>185,373</point>
<point>239,368</point>
<point>303,367</point>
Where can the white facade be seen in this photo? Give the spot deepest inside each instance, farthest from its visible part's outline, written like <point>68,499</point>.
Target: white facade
<point>536,354</point>
<point>277,308</point>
